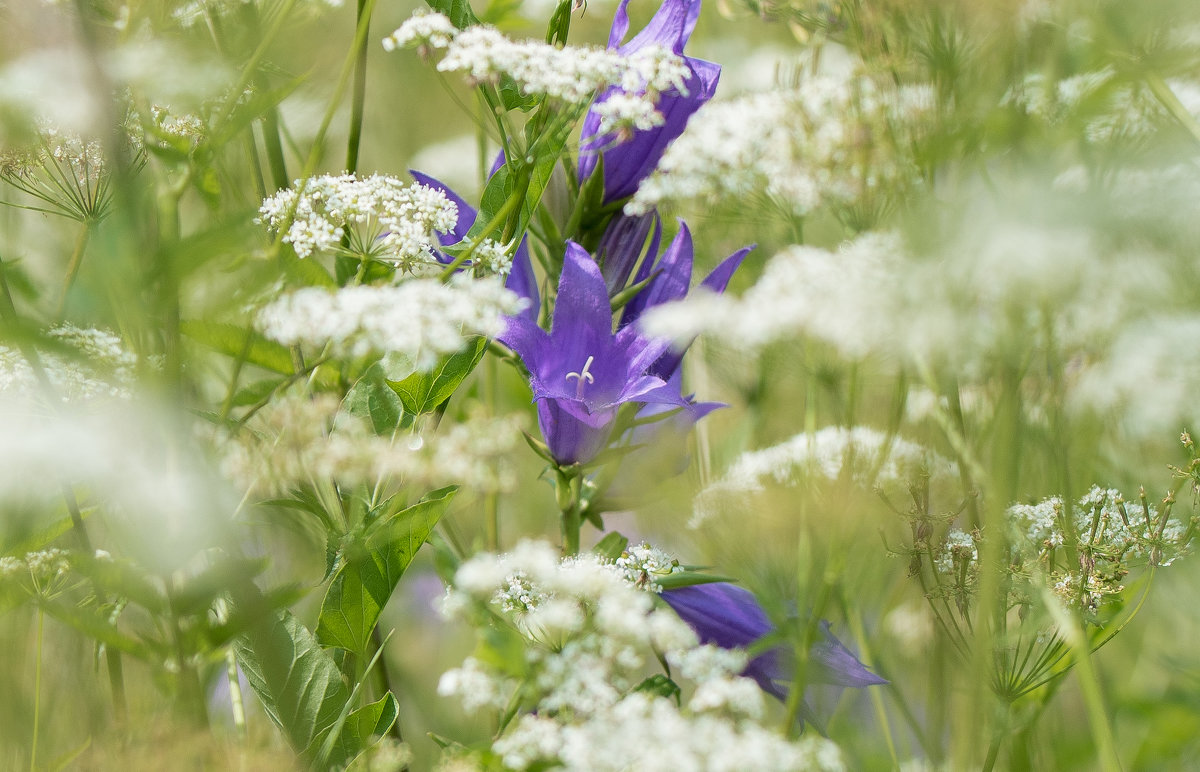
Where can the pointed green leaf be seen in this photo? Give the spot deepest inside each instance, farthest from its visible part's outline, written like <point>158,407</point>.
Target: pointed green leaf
<point>373,399</point>
<point>659,685</point>
<point>458,11</point>
<point>235,341</point>
<point>297,682</point>
<point>687,579</point>
<point>611,546</point>
<point>365,582</point>
<point>423,392</point>
<point>359,732</point>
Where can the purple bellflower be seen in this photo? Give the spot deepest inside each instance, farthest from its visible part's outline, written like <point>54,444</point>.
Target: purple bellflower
<point>730,617</point>
<point>521,278</point>
<point>627,163</point>
<point>580,372</point>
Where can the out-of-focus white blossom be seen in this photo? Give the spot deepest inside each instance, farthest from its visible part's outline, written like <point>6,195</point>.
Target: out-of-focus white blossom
<point>833,138</point>
<point>862,455</point>
<point>294,441</point>
<point>419,320</point>
<point>101,367</point>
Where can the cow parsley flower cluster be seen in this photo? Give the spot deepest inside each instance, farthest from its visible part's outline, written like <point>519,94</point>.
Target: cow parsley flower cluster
<point>571,74</point>
<point>63,171</point>
<point>589,630</point>
<point>295,441</point>
<point>862,455</point>
<point>830,139</point>
<point>1108,535</point>
<point>82,365</point>
<point>381,217</point>
<point>415,323</point>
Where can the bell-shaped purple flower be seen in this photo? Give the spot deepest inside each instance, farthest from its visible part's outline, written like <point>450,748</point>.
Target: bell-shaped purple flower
<point>729,616</point>
<point>580,372</point>
<point>521,278</point>
<point>628,162</point>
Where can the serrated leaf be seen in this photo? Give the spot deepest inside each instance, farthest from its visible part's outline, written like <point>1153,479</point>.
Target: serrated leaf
<point>458,11</point>
<point>372,398</point>
<point>358,732</point>
<point>297,681</point>
<point>235,341</point>
<point>423,392</point>
<point>364,584</point>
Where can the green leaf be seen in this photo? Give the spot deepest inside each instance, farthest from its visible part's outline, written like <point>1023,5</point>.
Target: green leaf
<point>234,341</point>
<point>297,681</point>
<point>458,11</point>
<point>611,546</point>
<point>41,539</point>
<point>372,398</point>
<point>365,582</point>
<point>358,732</point>
<point>423,392</point>
<point>96,626</point>
<point>687,579</point>
<point>305,271</point>
<point>513,98</point>
<point>253,393</point>
<point>659,685</point>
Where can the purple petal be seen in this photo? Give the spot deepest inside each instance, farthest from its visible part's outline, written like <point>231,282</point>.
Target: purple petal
<point>834,664</point>
<point>668,364</point>
<point>570,440</point>
<point>718,280</point>
<point>530,342</point>
<point>622,244</point>
<point>730,617</point>
<point>582,304</point>
<point>628,163</point>
<point>523,281</point>
<point>674,277</point>
<point>670,28</point>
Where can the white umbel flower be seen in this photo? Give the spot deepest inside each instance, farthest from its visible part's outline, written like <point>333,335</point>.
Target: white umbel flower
<point>421,319</point>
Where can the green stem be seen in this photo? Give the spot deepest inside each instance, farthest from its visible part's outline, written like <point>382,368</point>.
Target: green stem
<point>567,489</point>
<point>1167,98</point>
<point>37,690</point>
<point>74,264</point>
<point>360,91</point>
<point>993,753</point>
<point>236,704</point>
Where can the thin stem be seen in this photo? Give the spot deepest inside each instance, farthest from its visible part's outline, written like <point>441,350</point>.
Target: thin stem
<point>993,752</point>
<point>74,264</point>
<point>358,97</point>
<point>37,690</point>
<point>236,705</point>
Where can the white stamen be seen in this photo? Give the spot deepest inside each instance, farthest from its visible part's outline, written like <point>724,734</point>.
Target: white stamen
<point>583,376</point>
